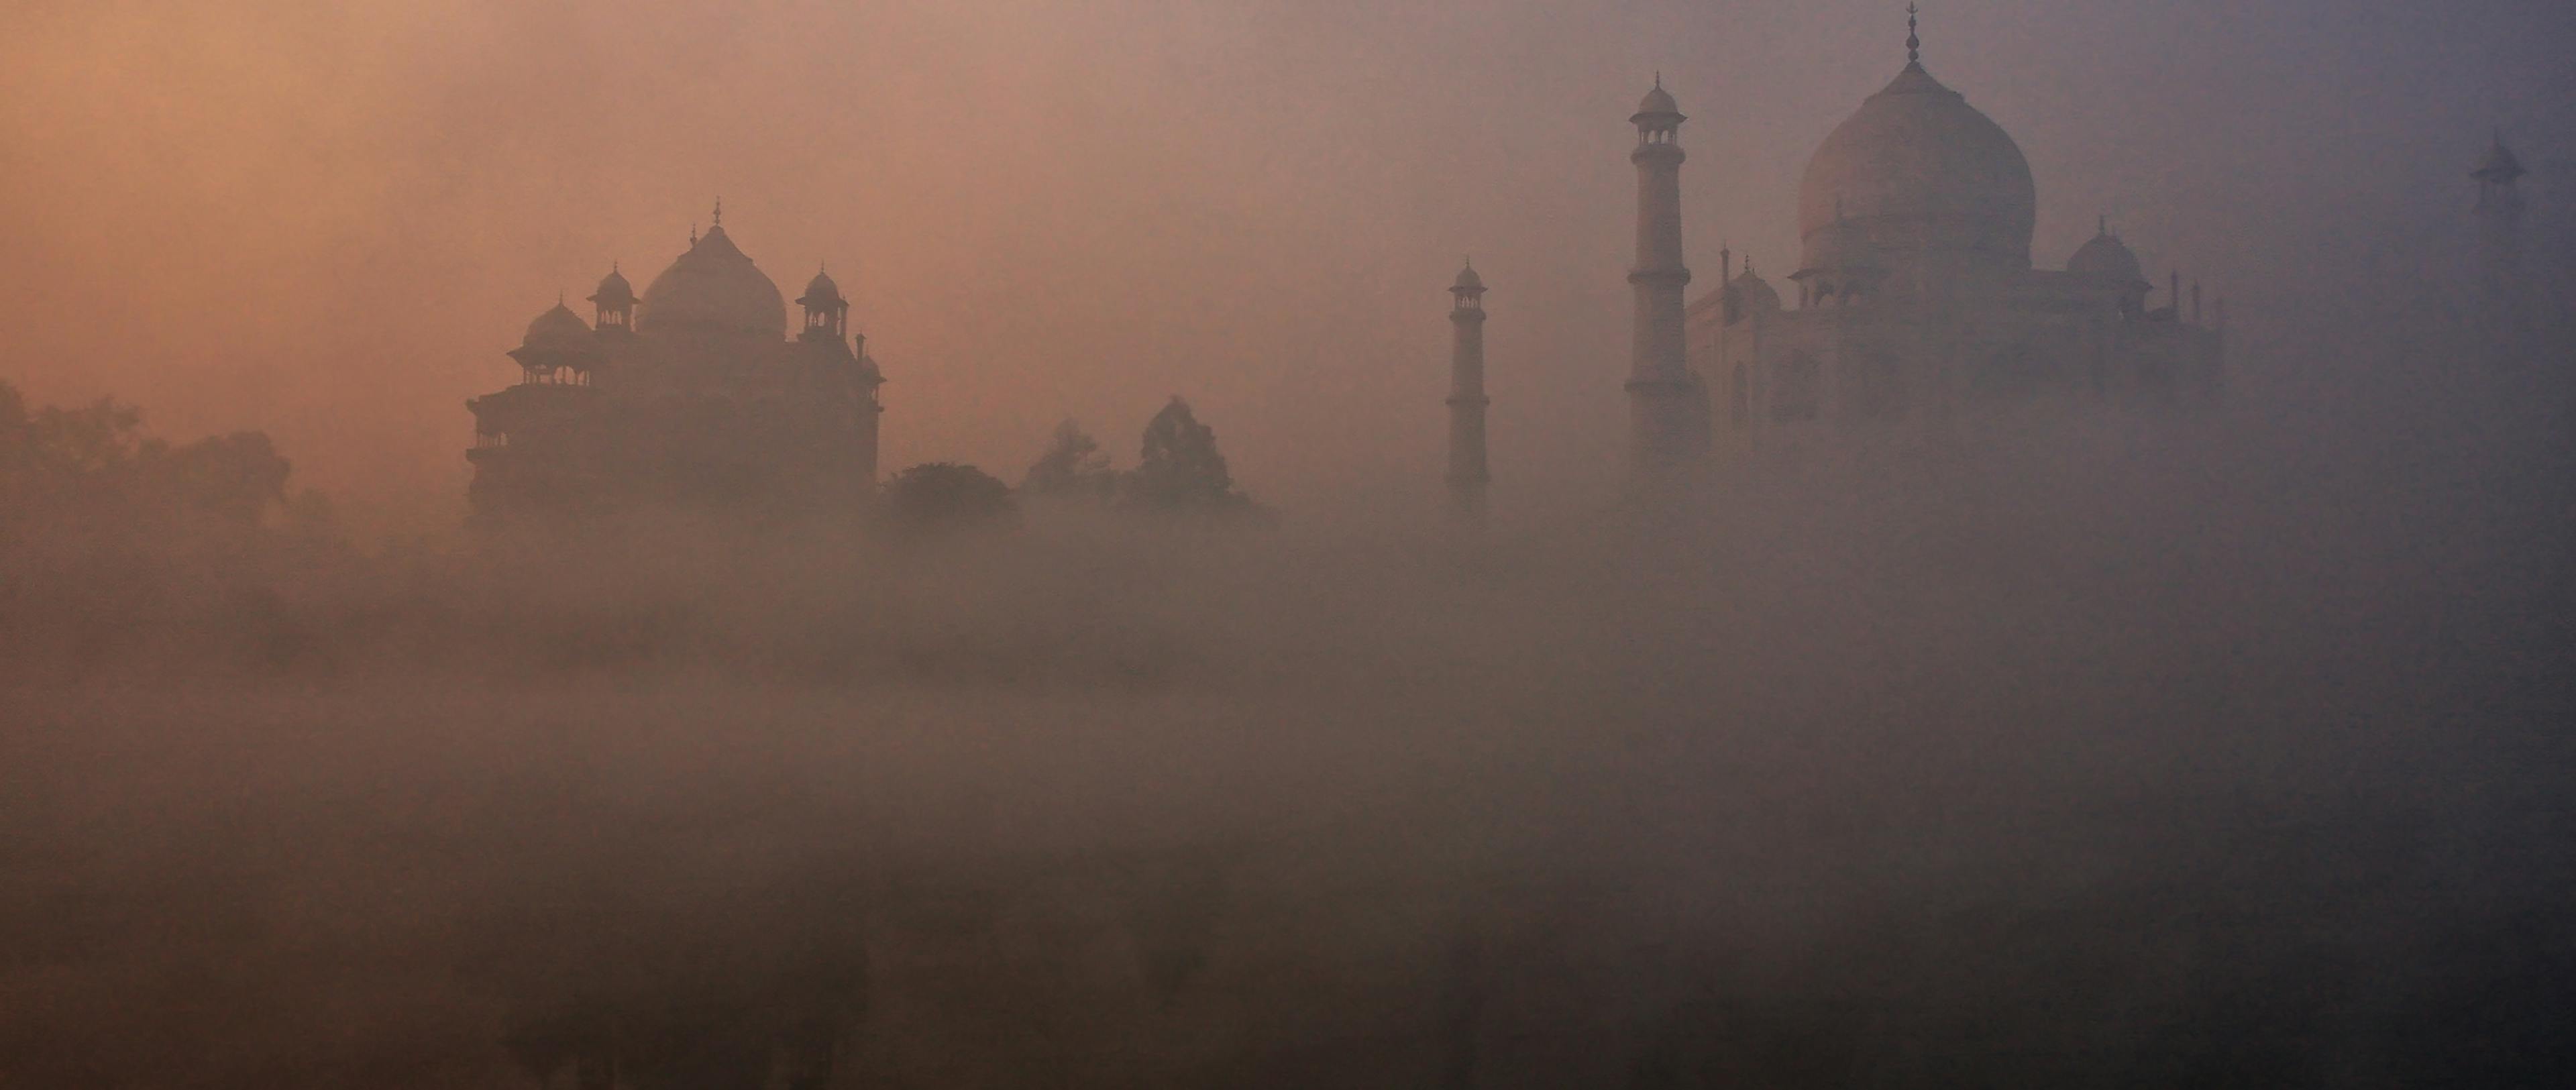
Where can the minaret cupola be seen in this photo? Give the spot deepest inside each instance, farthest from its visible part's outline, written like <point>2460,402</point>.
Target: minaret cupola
<point>827,314</point>
<point>1469,291</point>
<point>613,305</point>
<point>1658,117</point>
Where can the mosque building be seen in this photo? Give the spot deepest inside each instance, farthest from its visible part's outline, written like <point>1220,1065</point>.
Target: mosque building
<point>693,395</point>
<point>1914,303</point>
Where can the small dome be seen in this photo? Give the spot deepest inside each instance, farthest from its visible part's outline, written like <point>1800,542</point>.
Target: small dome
<point>714,287</point>
<point>1751,292</point>
<point>614,291</point>
<point>2106,258</point>
<point>558,327</point>
<point>820,291</point>
<point>1468,280</point>
<point>1657,103</point>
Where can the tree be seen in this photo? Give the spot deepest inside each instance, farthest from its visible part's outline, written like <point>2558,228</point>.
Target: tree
<point>95,439</point>
<point>93,464</point>
<point>947,495</point>
<point>234,478</point>
<point>1181,468</point>
<point>1073,465</point>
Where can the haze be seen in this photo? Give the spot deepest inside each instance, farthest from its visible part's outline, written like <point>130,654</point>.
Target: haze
<point>2107,748</point>
<point>328,220</point>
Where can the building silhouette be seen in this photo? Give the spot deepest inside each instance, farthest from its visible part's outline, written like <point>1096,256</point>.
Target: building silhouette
<point>693,395</point>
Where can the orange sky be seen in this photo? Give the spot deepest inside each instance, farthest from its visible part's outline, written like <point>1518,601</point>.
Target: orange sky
<point>329,220</point>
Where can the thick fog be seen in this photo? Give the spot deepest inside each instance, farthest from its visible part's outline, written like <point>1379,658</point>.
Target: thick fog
<point>2116,746</point>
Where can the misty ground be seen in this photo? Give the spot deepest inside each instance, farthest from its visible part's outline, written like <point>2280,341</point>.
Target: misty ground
<point>2136,752</point>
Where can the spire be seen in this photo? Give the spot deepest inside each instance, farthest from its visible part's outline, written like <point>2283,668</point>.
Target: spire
<point>719,213</point>
<point>1913,42</point>
<point>2102,224</point>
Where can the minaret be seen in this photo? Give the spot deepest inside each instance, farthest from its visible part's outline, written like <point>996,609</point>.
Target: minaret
<point>1668,408</point>
<point>2499,218</point>
<point>1467,400</point>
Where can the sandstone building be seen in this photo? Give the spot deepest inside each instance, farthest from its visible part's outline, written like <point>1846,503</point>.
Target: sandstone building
<point>694,395</point>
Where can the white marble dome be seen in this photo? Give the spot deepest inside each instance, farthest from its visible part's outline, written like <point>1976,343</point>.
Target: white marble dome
<point>1916,167</point>
<point>714,288</point>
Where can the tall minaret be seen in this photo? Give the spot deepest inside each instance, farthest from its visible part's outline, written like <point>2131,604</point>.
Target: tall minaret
<point>1667,405</point>
<point>1467,401</point>
<point>2499,218</point>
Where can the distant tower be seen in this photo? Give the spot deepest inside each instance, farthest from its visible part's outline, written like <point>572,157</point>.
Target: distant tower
<point>1467,401</point>
<point>1668,407</point>
<point>2499,219</point>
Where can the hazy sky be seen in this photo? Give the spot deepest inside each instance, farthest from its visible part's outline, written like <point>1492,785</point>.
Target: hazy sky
<point>329,219</point>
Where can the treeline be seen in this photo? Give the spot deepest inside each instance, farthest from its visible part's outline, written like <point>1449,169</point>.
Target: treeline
<point>91,470</point>
<point>121,550</point>
<point>1178,471</point>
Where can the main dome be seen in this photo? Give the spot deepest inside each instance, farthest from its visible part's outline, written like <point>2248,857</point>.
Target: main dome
<point>715,287</point>
<point>1917,167</point>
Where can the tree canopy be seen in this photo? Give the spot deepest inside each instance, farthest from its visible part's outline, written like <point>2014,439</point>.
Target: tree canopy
<point>92,462</point>
<point>1180,467</point>
<point>948,495</point>
<point>1073,465</point>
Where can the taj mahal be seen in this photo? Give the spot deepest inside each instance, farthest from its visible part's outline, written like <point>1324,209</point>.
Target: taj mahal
<point>1915,304</point>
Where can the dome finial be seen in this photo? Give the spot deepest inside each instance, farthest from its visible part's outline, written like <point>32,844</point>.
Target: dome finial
<point>1913,42</point>
<point>720,212</point>
<point>2102,223</point>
